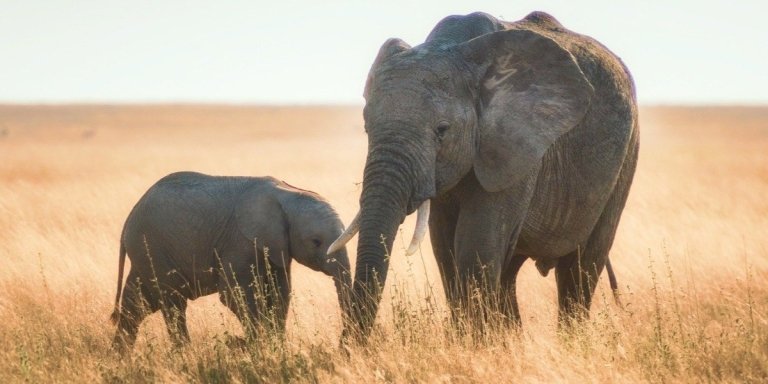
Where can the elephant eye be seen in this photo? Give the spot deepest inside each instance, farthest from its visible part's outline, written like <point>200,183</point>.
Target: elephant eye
<point>317,242</point>
<point>441,129</point>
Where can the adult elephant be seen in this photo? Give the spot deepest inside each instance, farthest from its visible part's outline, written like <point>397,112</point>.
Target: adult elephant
<point>524,137</point>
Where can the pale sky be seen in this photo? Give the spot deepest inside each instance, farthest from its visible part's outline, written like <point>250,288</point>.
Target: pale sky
<point>319,52</point>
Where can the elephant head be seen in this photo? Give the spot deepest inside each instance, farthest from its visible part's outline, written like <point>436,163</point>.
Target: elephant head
<point>474,98</point>
<point>311,226</point>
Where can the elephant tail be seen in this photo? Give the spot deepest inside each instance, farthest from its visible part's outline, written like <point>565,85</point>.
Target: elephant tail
<point>613,282</point>
<point>115,317</point>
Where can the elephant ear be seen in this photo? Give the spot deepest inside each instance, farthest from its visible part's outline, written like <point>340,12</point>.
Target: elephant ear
<point>261,220</point>
<point>390,48</point>
<point>531,92</point>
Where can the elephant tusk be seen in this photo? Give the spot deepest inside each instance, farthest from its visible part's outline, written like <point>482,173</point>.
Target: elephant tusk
<point>348,234</point>
<point>422,221</point>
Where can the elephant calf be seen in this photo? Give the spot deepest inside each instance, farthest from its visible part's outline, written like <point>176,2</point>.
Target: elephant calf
<point>191,235</point>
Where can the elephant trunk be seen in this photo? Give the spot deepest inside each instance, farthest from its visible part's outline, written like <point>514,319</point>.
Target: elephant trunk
<point>338,268</point>
<point>386,199</point>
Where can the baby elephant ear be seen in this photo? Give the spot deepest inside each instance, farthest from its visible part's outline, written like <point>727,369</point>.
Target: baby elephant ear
<point>531,92</point>
<point>390,48</point>
<point>261,220</point>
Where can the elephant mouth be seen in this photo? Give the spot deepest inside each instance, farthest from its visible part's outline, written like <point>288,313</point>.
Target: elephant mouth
<point>418,196</point>
<point>422,225</point>
<point>414,204</point>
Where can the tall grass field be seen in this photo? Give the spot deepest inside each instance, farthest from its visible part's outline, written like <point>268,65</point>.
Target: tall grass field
<point>691,257</point>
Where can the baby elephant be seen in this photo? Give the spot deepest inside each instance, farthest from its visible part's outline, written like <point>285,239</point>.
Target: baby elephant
<point>191,235</point>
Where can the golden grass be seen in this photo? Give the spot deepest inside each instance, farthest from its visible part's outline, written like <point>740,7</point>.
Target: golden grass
<point>691,256</point>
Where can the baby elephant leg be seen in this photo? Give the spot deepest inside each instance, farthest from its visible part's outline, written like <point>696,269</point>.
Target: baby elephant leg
<point>174,309</point>
<point>260,305</point>
<point>237,293</point>
<point>278,295</point>
<point>135,306</point>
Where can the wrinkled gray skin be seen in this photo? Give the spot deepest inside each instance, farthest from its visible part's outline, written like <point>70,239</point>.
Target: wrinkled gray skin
<point>207,234</point>
<point>524,136</point>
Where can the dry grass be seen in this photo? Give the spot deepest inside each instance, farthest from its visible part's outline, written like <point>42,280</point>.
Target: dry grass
<point>691,256</point>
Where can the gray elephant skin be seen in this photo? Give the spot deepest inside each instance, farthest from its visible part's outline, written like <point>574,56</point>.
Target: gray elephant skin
<point>518,140</point>
<point>191,235</point>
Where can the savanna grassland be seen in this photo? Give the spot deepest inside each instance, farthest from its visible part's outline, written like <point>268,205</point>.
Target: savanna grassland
<point>691,256</point>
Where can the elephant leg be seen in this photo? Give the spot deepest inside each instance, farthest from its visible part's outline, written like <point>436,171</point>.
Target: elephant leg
<point>576,275</point>
<point>257,296</point>
<point>278,298</point>
<point>577,272</point>
<point>174,311</point>
<point>237,284</point>
<point>135,305</point>
<point>487,230</point>
<point>509,307</point>
<point>242,301</point>
<point>442,230</point>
